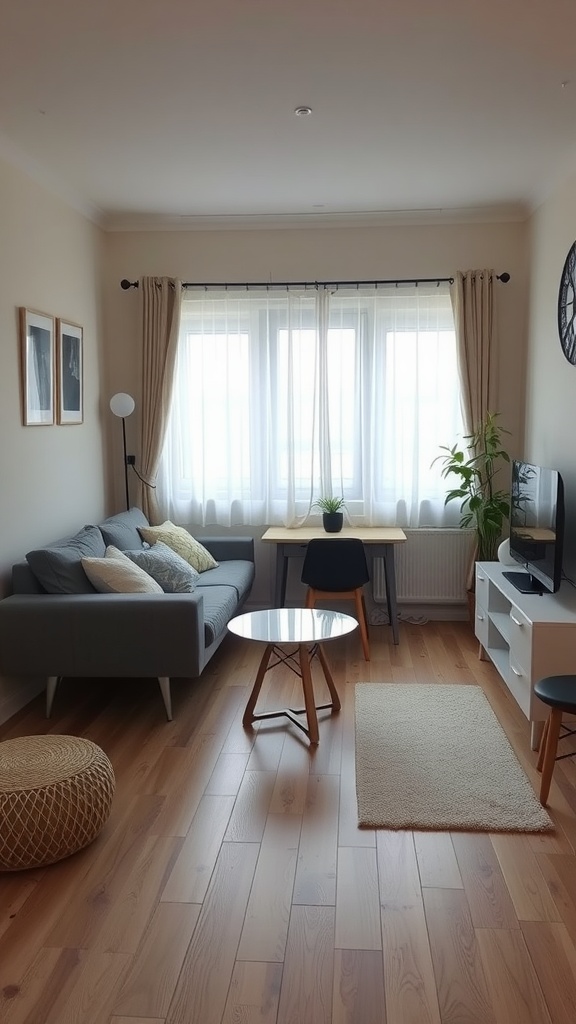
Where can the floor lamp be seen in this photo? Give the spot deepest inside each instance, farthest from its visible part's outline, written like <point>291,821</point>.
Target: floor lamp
<point>123,405</point>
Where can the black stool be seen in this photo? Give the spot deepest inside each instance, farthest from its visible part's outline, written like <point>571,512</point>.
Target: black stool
<point>559,693</point>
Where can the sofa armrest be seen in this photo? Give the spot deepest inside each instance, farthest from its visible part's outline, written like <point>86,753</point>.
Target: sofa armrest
<point>223,548</point>
<point>102,634</point>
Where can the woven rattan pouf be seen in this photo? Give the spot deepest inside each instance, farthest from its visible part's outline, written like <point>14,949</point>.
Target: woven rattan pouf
<point>55,795</point>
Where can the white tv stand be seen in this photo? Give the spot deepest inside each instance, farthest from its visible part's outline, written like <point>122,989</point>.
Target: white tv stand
<point>526,636</point>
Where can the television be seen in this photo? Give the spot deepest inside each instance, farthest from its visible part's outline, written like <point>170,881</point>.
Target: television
<point>536,528</point>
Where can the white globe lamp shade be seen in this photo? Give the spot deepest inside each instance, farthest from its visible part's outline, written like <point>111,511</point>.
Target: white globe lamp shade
<point>122,404</point>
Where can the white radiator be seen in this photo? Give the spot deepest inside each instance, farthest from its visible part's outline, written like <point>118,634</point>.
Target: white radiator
<point>430,567</point>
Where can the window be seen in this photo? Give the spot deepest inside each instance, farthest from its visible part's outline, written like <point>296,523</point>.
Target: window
<point>285,394</point>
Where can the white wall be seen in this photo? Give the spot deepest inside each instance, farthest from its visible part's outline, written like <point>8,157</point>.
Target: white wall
<point>309,255</point>
<point>52,477</point>
<point>551,380</point>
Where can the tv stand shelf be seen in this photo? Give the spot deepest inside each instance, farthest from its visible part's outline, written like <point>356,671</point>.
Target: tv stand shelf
<point>526,636</point>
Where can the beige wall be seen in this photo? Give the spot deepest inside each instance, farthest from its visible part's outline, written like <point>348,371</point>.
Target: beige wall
<point>52,477</point>
<point>551,380</point>
<point>314,254</point>
<point>51,258</point>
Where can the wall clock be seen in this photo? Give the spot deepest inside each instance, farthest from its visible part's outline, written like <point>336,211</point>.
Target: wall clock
<point>567,307</point>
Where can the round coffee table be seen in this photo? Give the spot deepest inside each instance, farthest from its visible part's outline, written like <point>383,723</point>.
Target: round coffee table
<point>306,628</point>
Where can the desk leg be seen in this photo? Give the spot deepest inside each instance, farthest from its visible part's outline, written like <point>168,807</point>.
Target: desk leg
<point>281,577</point>
<point>390,578</point>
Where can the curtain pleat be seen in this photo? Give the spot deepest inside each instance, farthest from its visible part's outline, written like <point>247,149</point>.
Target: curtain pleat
<point>473,303</point>
<point>161,299</point>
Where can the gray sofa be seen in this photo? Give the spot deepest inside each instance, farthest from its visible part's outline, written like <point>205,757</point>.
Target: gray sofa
<point>86,633</point>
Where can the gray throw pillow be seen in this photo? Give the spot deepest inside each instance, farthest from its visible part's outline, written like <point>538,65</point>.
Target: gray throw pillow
<point>58,566</point>
<point>167,567</point>
<point>121,530</point>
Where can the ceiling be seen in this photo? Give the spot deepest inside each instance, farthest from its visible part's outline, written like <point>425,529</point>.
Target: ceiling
<point>153,113</point>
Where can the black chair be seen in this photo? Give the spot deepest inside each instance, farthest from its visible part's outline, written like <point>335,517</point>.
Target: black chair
<point>334,570</point>
<point>559,693</point>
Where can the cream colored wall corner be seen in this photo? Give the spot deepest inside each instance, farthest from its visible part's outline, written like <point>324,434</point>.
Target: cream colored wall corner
<point>52,477</point>
<point>551,379</point>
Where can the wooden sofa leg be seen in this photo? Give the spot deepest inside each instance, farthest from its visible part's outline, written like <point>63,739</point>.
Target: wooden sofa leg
<point>51,685</point>
<point>164,682</point>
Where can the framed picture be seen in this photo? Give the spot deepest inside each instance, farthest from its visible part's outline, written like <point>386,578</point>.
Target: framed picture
<point>37,352</point>
<point>69,361</point>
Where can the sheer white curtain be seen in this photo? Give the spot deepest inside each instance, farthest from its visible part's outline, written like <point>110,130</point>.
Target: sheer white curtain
<point>284,394</point>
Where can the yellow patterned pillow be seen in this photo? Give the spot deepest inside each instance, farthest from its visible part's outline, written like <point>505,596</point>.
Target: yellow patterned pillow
<point>177,538</point>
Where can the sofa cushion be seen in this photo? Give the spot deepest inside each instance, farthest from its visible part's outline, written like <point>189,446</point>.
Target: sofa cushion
<point>58,566</point>
<point>177,538</point>
<point>121,530</point>
<point>167,567</point>
<point>220,605</point>
<point>118,574</point>
<point>233,572</point>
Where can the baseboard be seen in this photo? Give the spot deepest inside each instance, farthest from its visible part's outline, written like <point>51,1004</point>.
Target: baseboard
<point>438,611</point>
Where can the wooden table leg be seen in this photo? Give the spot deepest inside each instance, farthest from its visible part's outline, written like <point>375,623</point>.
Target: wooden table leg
<point>308,690</point>
<point>248,716</point>
<point>336,705</point>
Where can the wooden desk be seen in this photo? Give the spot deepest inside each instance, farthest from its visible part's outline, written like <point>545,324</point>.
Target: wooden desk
<point>378,540</point>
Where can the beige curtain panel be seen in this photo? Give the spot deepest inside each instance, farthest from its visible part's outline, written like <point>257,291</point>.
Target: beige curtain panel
<point>473,305</point>
<point>161,300</point>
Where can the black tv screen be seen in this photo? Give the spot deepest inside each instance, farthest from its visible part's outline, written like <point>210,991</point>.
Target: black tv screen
<point>536,527</point>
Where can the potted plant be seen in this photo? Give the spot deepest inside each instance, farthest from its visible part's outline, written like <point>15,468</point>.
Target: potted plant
<point>332,514</point>
<point>473,469</point>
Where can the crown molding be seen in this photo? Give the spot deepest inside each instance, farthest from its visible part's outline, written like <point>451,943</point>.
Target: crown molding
<point>353,218</point>
<point>128,222</point>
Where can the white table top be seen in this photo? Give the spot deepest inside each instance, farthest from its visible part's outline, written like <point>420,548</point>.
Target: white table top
<point>292,625</point>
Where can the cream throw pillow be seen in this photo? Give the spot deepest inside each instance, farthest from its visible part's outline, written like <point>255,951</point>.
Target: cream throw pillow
<point>117,574</point>
<point>177,538</point>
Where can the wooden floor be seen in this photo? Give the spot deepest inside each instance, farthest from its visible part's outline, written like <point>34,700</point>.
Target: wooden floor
<point>231,884</point>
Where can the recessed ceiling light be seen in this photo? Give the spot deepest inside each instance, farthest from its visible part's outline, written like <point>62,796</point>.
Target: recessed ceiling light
<point>303,111</point>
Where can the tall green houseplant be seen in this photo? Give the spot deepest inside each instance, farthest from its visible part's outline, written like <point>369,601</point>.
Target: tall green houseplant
<point>484,506</point>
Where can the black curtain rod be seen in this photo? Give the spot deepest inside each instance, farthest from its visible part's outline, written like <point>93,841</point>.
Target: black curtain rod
<point>125,284</point>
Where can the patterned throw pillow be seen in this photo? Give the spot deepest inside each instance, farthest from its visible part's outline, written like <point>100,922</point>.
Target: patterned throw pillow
<point>177,538</point>
<point>174,574</point>
<point>117,574</point>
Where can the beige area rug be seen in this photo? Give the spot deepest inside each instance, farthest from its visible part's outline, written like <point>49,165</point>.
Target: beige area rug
<point>436,757</point>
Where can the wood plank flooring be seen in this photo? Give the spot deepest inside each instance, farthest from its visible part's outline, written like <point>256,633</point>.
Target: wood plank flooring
<point>231,884</point>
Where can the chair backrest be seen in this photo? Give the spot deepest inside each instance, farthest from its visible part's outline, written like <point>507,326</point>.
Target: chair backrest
<point>335,564</point>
